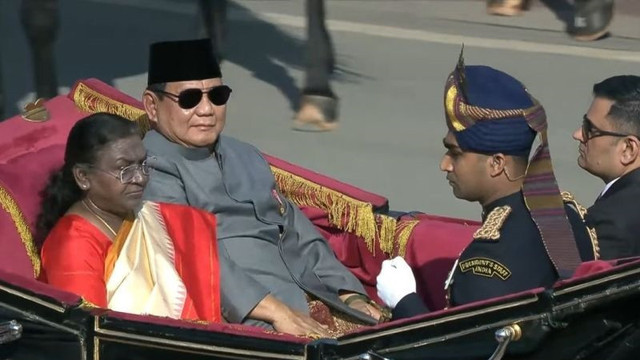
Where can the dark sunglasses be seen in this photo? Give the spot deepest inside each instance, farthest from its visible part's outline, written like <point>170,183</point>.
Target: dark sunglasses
<point>590,131</point>
<point>190,98</point>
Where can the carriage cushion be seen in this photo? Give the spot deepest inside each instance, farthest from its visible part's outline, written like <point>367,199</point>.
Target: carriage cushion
<point>433,247</point>
<point>21,202</point>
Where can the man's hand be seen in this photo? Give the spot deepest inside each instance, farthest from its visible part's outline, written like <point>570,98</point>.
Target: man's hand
<point>366,308</point>
<point>286,320</point>
<point>395,281</point>
<point>293,322</point>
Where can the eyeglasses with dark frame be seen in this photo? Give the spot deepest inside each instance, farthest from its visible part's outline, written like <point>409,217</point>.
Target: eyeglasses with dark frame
<point>127,174</point>
<point>190,98</point>
<point>590,131</point>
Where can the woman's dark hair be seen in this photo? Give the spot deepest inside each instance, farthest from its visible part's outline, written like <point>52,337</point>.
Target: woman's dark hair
<point>86,139</point>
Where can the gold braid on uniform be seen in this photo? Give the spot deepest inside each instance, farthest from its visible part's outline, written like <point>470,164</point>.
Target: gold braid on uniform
<point>10,205</point>
<point>91,101</point>
<point>582,211</point>
<point>490,229</point>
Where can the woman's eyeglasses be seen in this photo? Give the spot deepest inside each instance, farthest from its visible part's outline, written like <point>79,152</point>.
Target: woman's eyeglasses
<point>127,174</point>
<point>590,131</point>
<point>190,98</point>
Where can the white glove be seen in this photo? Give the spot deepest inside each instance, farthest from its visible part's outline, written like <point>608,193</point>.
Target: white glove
<point>395,281</point>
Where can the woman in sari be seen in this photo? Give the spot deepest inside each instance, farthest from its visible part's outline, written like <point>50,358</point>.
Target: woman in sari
<point>98,239</point>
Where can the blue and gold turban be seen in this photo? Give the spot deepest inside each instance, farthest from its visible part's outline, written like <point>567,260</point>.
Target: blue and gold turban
<point>489,111</point>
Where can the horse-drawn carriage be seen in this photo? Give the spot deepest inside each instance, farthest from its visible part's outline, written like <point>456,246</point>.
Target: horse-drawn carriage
<point>593,315</point>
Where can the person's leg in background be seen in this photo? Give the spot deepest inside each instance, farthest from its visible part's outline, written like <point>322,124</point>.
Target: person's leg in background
<point>591,19</point>
<point>318,105</point>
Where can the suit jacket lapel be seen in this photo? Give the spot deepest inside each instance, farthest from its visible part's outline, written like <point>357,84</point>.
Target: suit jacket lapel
<point>623,182</point>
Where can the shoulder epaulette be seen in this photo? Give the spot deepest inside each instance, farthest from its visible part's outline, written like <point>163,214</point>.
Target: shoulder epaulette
<point>490,229</point>
<point>568,198</point>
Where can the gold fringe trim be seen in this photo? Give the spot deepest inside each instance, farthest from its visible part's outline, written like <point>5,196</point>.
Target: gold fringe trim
<point>386,238</point>
<point>348,214</point>
<point>403,233</point>
<point>344,212</point>
<point>91,101</point>
<point>10,205</point>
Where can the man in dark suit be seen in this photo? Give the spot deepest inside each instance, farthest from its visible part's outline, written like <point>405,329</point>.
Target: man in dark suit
<point>527,232</point>
<point>610,149</point>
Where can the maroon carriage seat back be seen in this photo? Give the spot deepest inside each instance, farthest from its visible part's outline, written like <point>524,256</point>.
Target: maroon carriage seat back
<point>434,246</point>
<point>29,152</point>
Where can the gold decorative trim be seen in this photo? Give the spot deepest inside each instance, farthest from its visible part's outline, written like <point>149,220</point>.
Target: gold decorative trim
<point>594,242</point>
<point>96,347</point>
<point>582,211</point>
<point>344,212</point>
<point>490,229</point>
<point>386,234</point>
<point>404,230</point>
<point>87,305</point>
<point>10,205</point>
<point>35,111</point>
<point>91,101</point>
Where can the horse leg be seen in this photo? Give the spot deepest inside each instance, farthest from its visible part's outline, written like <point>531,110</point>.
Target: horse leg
<point>214,15</point>
<point>40,20</point>
<point>318,105</point>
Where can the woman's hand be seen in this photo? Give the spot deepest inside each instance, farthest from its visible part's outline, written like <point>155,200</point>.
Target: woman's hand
<point>366,308</point>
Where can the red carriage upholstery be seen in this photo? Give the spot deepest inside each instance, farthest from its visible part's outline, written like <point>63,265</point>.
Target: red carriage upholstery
<point>28,153</point>
<point>352,219</point>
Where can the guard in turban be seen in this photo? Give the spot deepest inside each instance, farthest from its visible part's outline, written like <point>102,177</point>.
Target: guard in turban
<point>530,236</point>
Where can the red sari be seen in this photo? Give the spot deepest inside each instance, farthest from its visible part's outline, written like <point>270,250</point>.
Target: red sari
<point>75,252</point>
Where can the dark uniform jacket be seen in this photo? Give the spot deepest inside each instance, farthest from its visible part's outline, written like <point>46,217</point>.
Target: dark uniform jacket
<point>506,256</point>
<point>616,219</point>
